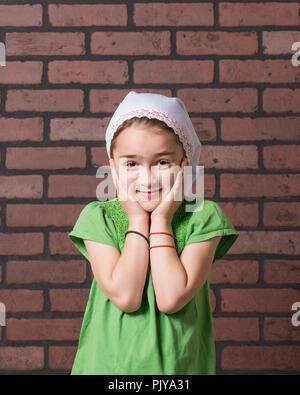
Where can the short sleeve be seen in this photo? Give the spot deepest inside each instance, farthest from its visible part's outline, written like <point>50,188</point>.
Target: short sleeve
<point>94,224</point>
<point>209,222</point>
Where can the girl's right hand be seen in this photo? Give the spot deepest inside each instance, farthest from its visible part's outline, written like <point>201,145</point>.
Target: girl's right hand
<point>128,200</point>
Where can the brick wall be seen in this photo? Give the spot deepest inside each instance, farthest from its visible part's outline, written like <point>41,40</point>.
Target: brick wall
<point>68,65</point>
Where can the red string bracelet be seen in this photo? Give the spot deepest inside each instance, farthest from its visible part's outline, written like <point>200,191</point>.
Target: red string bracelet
<point>164,233</point>
<point>161,246</point>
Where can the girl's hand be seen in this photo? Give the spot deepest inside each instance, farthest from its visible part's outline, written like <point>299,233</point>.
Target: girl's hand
<point>168,206</point>
<point>128,200</point>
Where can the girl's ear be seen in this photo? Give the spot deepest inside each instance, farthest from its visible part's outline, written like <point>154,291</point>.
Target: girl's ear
<point>184,162</point>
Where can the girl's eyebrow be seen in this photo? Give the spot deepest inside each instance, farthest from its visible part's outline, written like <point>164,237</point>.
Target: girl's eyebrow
<point>157,154</point>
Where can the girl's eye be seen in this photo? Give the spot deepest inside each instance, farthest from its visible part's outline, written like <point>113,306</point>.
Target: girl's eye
<point>165,162</point>
<point>133,164</point>
<point>130,163</point>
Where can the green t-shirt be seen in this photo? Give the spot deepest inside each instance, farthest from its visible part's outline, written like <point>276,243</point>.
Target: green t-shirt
<point>147,341</point>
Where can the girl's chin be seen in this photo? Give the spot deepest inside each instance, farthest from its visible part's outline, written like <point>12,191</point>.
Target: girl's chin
<point>148,205</point>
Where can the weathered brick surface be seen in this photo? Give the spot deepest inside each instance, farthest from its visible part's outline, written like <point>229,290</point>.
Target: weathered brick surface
<point>44,43</point>
<point>69,15</point>
<point>26,15</point>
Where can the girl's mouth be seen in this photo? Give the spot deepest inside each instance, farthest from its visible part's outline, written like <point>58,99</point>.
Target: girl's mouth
<point>150,194</point>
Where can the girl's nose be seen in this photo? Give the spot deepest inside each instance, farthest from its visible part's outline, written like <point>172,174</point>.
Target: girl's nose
<point>148,177</point>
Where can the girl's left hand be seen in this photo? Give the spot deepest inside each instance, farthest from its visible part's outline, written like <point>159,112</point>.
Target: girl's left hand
<point>168,206</point>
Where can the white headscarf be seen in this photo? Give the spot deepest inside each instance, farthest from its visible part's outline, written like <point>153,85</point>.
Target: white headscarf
<point>170,110</point>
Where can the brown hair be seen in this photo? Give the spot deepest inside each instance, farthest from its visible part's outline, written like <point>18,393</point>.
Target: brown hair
<point>142,121</point>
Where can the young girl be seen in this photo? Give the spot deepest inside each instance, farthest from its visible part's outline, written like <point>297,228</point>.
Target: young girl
<point>149,310</point>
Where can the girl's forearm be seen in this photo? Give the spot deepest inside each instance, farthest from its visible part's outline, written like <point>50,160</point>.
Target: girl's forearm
<point>168,273</point>
<point>130,272</point>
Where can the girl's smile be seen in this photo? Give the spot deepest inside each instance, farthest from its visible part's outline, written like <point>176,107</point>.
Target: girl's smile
<point>151,194</point>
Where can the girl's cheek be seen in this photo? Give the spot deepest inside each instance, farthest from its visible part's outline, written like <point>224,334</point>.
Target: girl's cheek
<point>129,180</point>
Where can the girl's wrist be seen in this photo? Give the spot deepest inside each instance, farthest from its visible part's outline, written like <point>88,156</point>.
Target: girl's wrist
<point>160,223</point>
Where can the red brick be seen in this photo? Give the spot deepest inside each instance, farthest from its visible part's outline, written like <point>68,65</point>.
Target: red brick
<point>45,157</point>
<point>33,329</point>
<point>229,157</point>
<point>236,329</point>
<point>209,186</point>
<point>216,43</point>
<point>241,213</point>
<point>267,242</point>
<point>87,14</point>
<point>277,329</point>
<point>283,358</point>
<point>61,357</point>
<point>17,72</point>
<point>59,243</point>
<point>107,100</point>
<point>205,128</point>
<point>73,186</point>
<point>32,129</point>
<point>266,185</point>
<point>131,43</point>
<point>27,186</point>
<point>72,300</point>
<point>45,271</point>
<point>87,72</point>
<point>22,300</point>
<point>173,71</point>
<point>41,214</point>
<point>44,43</point>
<point>259,300</point>
<point>219,100</point>
<point>282,157</point>
<point>281,100</point>
<point>259,14</point>
<point>21,15</point>
<point>78,129</point>
<point>281,214</point>
<point>21,243</point>
<point>260,129</point>
<point>258,71</point>
<point>173,14</point>
<point>282,271</point>
<point>57,100</point>
<point>21,358</point>
<point>280,42</point>
<point>234,272</point>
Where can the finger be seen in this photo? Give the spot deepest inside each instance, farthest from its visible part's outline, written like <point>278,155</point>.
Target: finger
<point>115,178</point>
<point>113,175</point>
<point>122,194</point>
<point>178,186</point>
<point>131,192</point>
<point>172,190</point>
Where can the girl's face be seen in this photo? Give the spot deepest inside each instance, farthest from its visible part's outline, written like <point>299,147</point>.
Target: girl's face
<point>140,149</point>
